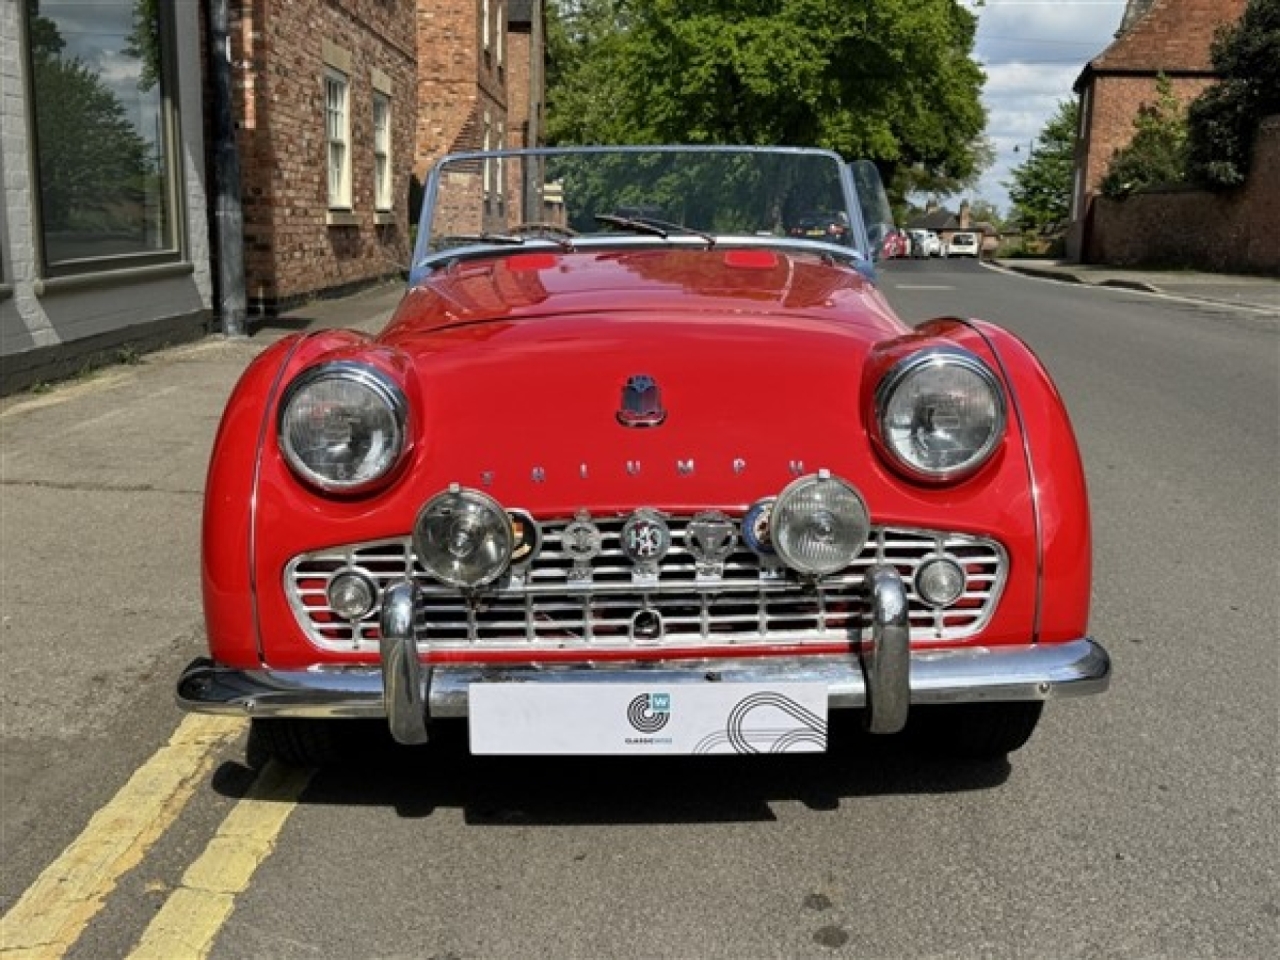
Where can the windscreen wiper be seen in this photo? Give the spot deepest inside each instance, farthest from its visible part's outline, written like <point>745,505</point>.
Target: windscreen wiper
<point>508,238</point>
<point>655,228</point>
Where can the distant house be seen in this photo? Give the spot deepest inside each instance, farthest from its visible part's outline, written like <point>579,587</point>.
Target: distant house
<point>947,224</point>
<point>1156,37</point>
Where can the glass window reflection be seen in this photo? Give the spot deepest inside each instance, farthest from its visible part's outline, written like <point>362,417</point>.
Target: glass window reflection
<point>103,153</point>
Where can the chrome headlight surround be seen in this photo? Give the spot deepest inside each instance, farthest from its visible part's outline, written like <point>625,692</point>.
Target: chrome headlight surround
<point>940,414</point>
<point>343,426</point>
<point>819,524</point>
<point>464,538</point>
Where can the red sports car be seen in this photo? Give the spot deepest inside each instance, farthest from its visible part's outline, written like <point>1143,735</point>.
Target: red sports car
<point>644,485</point>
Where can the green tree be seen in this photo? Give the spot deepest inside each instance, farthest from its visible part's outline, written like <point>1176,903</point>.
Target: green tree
<point>143,42</point>
<point>889,80</point>
<point>1040,190</point>
<point>1222,121</point>
<point>1157,154</point>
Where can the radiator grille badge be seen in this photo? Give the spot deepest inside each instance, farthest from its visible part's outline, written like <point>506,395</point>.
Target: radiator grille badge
<point>645,541</point>
<point>711,537</point>
<point>581,541</point>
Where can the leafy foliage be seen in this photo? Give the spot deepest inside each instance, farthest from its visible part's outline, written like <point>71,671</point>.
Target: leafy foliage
<point>1223,121</point>
<point>1157,153</point>
<point>889,80</point>
<point>1040,190</point>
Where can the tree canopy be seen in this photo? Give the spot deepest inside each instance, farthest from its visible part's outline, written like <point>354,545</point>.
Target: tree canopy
<point>1223,121</point>
<point>892,81</point>
<point>1040,190</point>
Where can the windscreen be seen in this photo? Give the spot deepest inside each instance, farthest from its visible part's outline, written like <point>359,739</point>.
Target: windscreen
<point>583,196</point>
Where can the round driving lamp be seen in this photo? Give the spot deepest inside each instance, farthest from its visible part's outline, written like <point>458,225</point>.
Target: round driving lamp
<point>940,581</point>
<point>819,524</point>
<point>342,426</point>
<point>352,594</point>
<point>940,415</point>
<point>464,538</point>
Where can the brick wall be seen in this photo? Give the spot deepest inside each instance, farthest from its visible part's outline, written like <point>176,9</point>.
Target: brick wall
<point>459,79</point>
<point>295,249</point>
<point>1230,232</point>
<point>1172,38</point>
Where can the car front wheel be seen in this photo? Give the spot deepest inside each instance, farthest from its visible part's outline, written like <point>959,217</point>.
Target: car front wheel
<point>302,742</point>
<point>976,731</point>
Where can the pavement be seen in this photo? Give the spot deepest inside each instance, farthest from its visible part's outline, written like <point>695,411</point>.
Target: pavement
<point>1252,292</point>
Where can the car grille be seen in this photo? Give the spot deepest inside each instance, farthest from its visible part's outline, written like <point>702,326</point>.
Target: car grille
<point>540,607</point>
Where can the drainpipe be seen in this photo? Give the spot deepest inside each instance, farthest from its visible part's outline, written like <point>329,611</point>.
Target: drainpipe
<point>228,214</point>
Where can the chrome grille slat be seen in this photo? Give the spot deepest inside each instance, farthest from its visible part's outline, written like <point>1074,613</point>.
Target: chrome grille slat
<point>749,605</point>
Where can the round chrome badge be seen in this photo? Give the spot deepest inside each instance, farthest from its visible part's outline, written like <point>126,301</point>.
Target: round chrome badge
<point>581,539</point>
<point>646,537</point>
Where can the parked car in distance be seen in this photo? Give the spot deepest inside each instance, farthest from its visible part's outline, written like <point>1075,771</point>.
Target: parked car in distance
<point>963,245</point>
<point>896,244</point>
<point>925,243</point>
<point>821,226</point>
<point>620,485</point>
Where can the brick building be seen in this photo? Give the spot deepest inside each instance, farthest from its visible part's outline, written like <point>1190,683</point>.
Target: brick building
<point>1156,37</point>
<point>326,107</point>
<point>480,87</point>
<point>107,246</point>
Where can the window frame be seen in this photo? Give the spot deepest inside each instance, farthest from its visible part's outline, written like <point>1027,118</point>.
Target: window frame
<point>173,192</point>
<point>338,196</point>
<point>383,192</point>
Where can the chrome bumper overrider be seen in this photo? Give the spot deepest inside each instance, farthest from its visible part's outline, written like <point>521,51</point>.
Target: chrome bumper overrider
<point>885,678</point>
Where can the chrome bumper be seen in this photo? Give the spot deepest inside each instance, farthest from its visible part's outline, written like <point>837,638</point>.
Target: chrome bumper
<point>885,678</point>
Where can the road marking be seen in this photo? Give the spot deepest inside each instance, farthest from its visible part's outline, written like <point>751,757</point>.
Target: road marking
<point>53,912</point>
<point>194,913</point>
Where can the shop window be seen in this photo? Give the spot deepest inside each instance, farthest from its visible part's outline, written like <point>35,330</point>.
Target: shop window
<point>107,182</point>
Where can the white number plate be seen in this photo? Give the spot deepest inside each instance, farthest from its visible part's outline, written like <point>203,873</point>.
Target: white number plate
<point>639,719</point>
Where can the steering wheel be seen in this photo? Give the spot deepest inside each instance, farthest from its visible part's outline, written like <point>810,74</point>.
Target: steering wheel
<point>539,227</point>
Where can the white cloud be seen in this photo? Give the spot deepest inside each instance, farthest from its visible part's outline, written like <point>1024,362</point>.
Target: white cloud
<point>1032,52</point>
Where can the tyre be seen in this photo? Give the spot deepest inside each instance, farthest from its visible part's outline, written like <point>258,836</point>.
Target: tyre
<point>974,731</point>
<point>297,742</point>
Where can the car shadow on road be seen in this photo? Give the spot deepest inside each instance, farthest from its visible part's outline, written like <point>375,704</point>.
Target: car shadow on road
<point>496,791</point>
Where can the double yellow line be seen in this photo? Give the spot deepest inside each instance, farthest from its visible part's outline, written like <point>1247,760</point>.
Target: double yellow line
<point>55,910</point>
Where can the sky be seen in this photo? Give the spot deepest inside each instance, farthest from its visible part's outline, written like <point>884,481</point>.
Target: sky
<point>1032,52</point>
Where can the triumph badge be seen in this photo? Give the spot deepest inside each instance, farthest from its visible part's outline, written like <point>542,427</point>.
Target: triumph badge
<point>645,541</point>
<point>641,402</point>
<point>711,537</point>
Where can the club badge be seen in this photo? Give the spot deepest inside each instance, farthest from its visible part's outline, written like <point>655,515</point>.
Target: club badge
<point>581,542</point>
<point>711,538</point>
<point>646,538</point>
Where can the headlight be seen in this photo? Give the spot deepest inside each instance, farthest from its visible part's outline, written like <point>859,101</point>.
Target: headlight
<point>819,524</point>
<point>342,426</point>
<point>463,537</point>
<point>940,414</point>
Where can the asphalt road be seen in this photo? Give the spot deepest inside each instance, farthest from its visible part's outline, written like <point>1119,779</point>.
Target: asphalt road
<point>1137,824</point>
